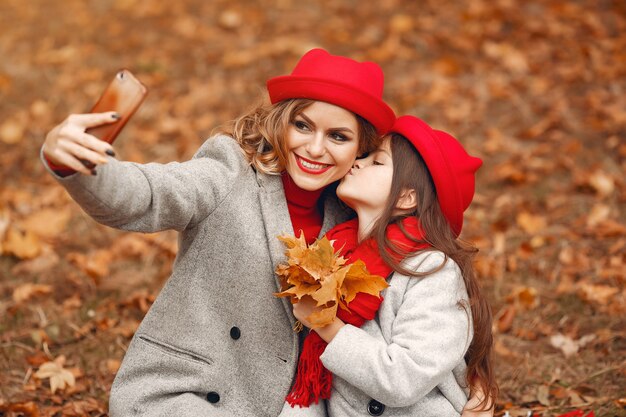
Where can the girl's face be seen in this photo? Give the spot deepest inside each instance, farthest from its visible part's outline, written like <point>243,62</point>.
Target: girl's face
<point>322,144</point>
<point>368,184</point>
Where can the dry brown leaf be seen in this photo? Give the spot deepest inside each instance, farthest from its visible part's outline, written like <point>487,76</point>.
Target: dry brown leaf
<point>600,294</point>
<point>531,223</point>
<point>608,228</point>
<point>22,244</point>
<point>37,359</point>
<point>543,395</point>
<point>47,260</point>
<point>510,57</point>
<point>5,221</point>
<point>113,365</point>
<point>501,349</point>
<point>59,377</point>
<point>12,131</point>
<point>26,409</point>
<point>318,271</point>
<point>510,172</point>
<point>27,291</point>
<point>599,213</point>
<point>47,223</point>
<point>82,408</point>
<point>527,297</point>
<point>569,346</point>
<point>602,183</point>
<point>95,264</point>
<point>504,321</point>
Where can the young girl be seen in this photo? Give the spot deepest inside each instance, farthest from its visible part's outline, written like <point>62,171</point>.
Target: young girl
<point>432,337</point>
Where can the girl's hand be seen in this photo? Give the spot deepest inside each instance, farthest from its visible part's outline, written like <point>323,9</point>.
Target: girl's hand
<point>68,145</point>
<point>477,395</point>
<point>304,308</point>
<point>307,306</point>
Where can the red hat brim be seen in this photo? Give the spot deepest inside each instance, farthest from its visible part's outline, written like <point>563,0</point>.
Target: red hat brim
<point>371,108</point>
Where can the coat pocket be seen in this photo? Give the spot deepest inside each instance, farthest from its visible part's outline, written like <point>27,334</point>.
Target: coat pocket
<point>175,351</point>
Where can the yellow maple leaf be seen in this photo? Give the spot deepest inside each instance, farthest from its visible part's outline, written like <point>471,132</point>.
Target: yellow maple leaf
<point>59,377</point>
<point>358,279</point>
<point>317,270</point>
<point>323,317</point>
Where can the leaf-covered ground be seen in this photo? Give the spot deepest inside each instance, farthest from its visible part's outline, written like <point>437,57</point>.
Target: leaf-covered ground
<point>536,88</point>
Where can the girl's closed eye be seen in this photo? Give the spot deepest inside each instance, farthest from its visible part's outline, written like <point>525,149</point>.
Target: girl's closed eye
<point>378,163</point>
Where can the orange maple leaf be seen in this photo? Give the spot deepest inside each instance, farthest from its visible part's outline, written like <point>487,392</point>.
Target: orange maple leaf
<point>317,270</point>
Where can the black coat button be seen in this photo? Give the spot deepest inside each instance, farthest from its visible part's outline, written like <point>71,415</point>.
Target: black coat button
<point>235,333</point>
<point>212,397</point>
<point>375,408</point>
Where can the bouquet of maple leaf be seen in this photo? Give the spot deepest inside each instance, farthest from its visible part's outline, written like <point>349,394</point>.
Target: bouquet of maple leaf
<point>318,271</point>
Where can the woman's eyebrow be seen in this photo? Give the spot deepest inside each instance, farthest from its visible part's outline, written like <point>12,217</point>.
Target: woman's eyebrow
<point>334,129</point>
<point>341,129</point>
<point>307,119</point>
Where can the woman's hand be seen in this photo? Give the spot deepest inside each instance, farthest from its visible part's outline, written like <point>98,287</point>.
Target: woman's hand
<point>307,306</point>
<point>68,145</point>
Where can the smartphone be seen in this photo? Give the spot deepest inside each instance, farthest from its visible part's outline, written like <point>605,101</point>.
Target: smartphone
<point>124,95</point>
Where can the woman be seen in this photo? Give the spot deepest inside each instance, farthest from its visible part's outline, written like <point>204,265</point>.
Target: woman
<point>215,342</point>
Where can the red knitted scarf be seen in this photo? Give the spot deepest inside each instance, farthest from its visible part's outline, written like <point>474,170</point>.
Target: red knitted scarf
<point>313,381</point>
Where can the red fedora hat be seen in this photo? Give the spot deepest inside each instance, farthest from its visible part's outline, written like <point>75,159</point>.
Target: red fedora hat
<point>344,82</point>
<point>451,167</point>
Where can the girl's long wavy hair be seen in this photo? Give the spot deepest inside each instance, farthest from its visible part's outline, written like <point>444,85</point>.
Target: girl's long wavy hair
<point>261,134</point>
<point>410,172</point>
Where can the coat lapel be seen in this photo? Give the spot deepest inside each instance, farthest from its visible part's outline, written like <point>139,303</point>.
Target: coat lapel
<point>277,222</point>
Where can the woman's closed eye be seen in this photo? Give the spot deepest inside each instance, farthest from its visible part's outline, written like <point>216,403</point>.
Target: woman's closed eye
<point>377,163</point>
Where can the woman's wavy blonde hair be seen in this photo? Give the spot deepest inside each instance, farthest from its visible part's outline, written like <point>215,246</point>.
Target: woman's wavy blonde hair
<point>261,134</point>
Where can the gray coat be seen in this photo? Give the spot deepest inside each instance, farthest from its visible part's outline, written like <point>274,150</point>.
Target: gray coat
<point>216,342</point>
<point>409,360</point>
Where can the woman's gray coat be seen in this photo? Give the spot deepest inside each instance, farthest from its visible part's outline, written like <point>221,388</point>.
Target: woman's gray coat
<point>216,342</point>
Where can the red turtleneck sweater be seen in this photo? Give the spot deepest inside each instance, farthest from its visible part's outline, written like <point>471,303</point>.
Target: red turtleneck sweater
<point>303,209</point>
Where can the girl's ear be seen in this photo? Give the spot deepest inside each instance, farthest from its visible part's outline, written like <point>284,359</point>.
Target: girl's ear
<point>407,200</point>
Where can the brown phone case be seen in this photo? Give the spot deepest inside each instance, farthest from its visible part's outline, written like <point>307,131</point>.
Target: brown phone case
<point>124,95</point>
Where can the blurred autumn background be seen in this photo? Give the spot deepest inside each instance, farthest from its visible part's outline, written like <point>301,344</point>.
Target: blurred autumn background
<point>536,88</point>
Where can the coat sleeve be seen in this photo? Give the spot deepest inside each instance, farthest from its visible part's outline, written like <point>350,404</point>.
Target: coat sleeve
<point>153,197</point>
<point>430,335</point>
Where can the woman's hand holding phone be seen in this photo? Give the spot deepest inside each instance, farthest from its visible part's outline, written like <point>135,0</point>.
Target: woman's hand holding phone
<point>70,146</point>
<point>83,141</point>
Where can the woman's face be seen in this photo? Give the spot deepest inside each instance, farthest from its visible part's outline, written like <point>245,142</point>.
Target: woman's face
<point>322,144</point>
<point>368,184</point>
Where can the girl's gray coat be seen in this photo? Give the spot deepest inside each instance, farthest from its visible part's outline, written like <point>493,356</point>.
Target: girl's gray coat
<point>409,360</point>
<point>216,342</point>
